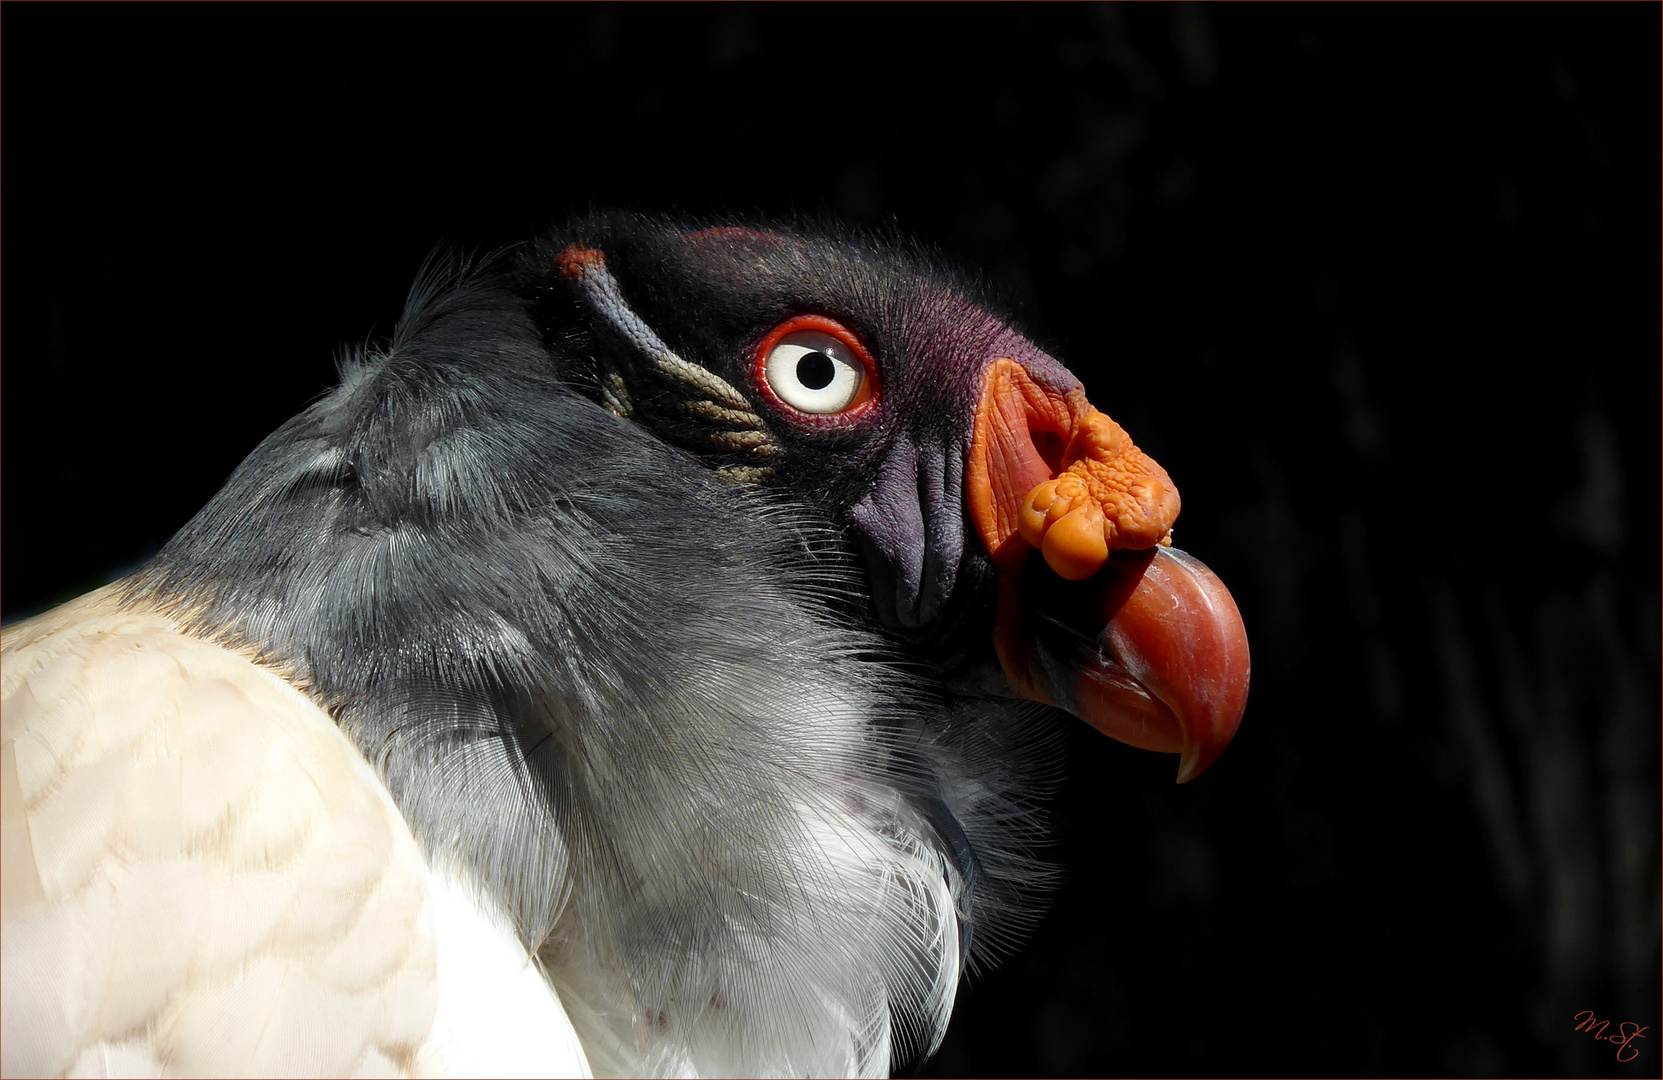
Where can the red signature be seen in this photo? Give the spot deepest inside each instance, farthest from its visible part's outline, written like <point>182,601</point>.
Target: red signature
<point>1622,1036</point>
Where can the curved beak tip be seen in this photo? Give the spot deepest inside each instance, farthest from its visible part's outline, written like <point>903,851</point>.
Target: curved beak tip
<point>1195,657</point>
<point>1206,735</point>
<point>1200,753</point>
<point>1170,669</point>
<point>1157,656</point>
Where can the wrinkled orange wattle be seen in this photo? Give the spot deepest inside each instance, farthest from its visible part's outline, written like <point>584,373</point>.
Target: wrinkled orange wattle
<point>1047,469</point>
<point>1171,667</point>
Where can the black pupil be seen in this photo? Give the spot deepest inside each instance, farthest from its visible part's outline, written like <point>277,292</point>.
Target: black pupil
<point>815,370</point>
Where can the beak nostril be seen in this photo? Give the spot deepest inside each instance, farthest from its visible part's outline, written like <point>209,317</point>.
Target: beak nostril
<point>1050,447</point>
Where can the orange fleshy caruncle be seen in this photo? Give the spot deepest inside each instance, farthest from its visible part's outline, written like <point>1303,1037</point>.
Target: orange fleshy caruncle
<point>1048,471</point>
<point>1165,664</point>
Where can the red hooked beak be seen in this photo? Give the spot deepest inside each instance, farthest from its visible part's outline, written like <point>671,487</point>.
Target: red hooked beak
<point>1141,641</point>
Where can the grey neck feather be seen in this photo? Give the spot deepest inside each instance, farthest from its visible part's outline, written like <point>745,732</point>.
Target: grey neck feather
<point>621,694</point>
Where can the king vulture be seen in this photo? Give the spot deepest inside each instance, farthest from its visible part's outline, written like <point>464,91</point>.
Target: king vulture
<point>639,666</point>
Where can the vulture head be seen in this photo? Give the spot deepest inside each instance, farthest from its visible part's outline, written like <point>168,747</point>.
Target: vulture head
<point>700,594</point>
<point>937,437</point>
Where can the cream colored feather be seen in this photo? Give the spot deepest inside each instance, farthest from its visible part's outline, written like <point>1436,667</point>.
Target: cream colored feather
<point>203,877</point>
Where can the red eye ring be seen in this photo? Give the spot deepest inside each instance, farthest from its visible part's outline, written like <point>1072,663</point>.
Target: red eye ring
<point>826,325</point>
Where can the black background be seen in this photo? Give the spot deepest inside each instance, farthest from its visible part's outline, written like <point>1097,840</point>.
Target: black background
<point>1379,286</point>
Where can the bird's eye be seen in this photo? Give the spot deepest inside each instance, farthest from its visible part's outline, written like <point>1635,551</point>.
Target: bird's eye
<point>815,365</point>
<point>815,372</point>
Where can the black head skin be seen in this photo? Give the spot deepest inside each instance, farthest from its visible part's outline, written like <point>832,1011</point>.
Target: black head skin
<point>683,707</point>
<point>894,477</point>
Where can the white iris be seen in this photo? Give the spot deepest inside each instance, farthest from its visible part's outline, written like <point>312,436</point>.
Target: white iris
<point>815,372</point>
